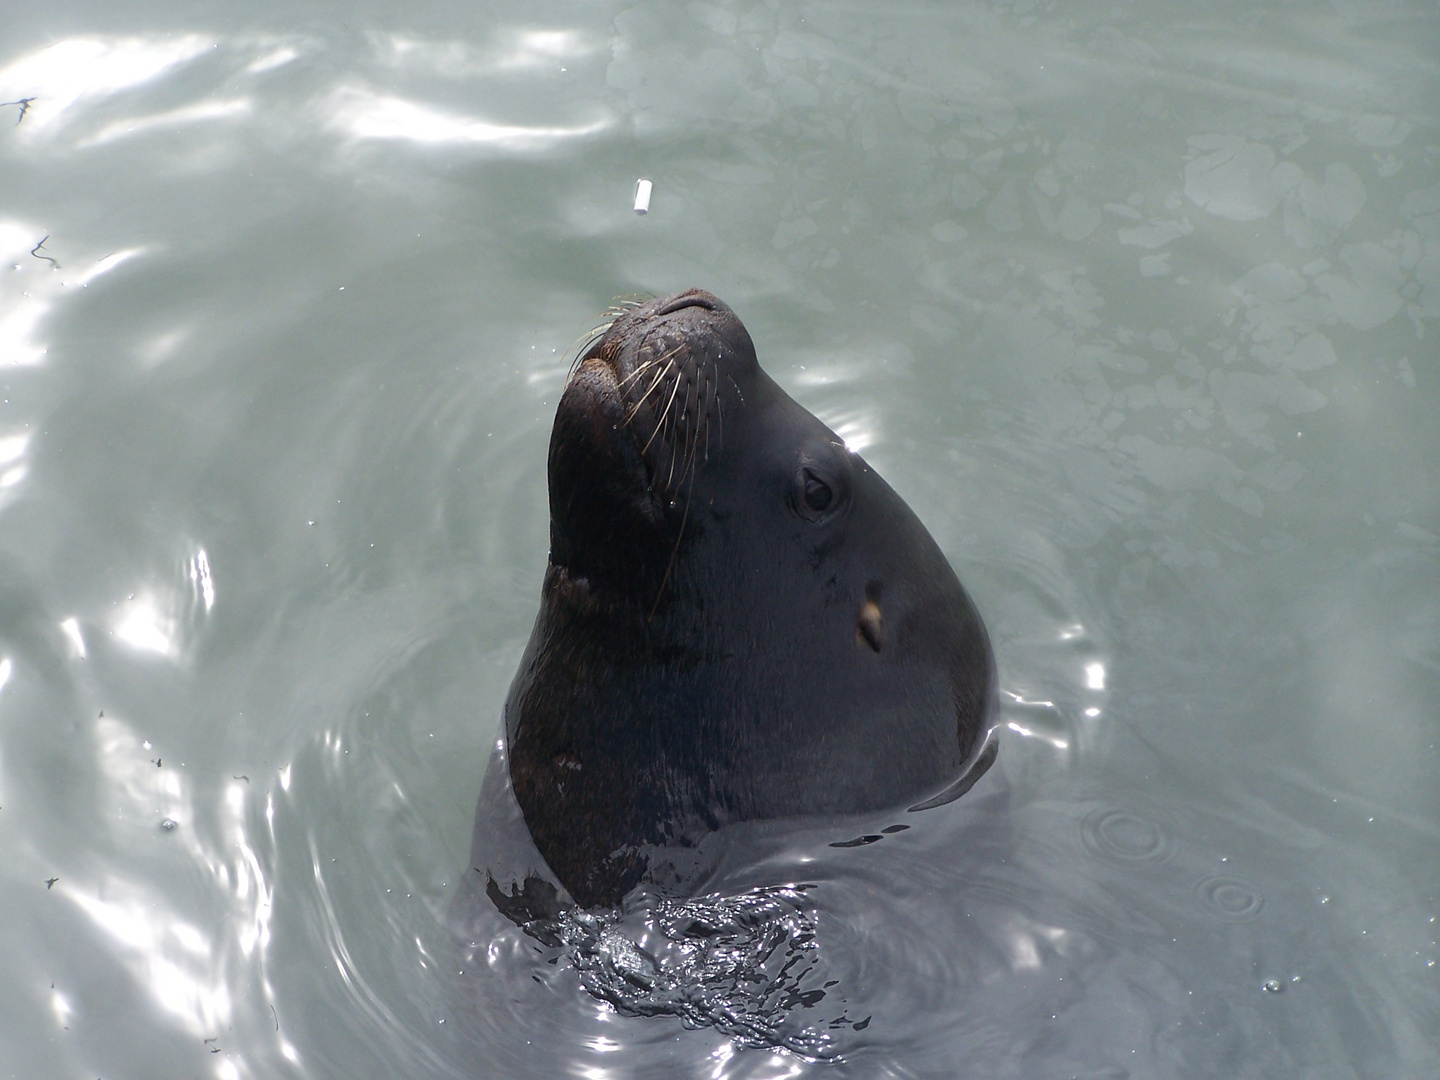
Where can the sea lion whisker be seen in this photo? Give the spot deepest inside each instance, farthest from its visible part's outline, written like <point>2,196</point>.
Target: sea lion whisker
<point>691,417</point>
<point>697,425</point>
<point>673,391</point>
<point>583,344</point>
<point>608,318</point>
<point>625,304</point>
<point>707,425</point>
<point>669,355</point>
<point>635,409</point>
<point>674,442</point>
<point>659,377</point>
<point>679,536</point>
<point>702,415</point>
<point>639,370</point>
<point>738,392</point>
<point>679,430</point>
<point>720,410</point>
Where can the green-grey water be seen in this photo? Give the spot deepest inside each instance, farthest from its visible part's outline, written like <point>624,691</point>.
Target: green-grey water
<point>1135,303</point>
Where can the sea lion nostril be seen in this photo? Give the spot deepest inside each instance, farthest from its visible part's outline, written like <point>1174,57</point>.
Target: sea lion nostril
<point>691,298</point>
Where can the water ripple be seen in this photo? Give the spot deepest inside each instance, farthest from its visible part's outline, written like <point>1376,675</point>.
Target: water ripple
<point>1230,898</point>
<point>1125,837</point>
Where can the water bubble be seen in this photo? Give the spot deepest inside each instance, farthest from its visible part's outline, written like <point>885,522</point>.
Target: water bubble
<point>1274,986</point>
<point>1230,898</point>
<point>1124,837</point>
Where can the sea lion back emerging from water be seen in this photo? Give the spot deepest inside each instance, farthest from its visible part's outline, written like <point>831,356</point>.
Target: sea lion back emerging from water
<point>740,620</point>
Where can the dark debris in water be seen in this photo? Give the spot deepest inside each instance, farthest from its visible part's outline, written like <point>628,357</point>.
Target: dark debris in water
<point>745,965</point>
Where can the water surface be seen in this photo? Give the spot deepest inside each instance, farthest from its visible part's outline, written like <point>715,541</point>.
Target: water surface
<point>1135,303</point>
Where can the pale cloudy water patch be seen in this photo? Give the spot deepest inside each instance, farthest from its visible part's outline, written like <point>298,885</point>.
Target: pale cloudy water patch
<point>162,346</point>
<point>1370,294</point>
<point>1317,212</point>
<point>1237,179</point>
<point>508,51</point>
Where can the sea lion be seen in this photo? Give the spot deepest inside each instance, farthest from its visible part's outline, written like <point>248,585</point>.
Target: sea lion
<point>740,621</point>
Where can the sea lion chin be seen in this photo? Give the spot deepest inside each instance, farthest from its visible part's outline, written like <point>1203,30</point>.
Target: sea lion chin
<point>740,620</point>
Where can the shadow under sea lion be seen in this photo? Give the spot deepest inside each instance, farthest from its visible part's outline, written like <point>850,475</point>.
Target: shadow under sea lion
<point>741,623</point>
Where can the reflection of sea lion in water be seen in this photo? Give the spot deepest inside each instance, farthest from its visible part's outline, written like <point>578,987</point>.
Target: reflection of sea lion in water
<point>739,621</point>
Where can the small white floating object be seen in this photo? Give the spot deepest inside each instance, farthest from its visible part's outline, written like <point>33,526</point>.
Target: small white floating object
<point>643,188</point>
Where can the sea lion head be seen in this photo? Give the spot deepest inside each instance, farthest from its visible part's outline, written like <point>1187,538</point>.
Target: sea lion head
<point>740,618</point>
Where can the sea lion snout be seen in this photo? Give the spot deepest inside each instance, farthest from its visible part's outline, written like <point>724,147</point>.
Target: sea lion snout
<point>689,330</point>
<point>657,385</point>
<point>643,411</point>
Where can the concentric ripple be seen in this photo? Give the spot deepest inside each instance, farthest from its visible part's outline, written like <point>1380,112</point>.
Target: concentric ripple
<point>1230,898</point>
<point>1125,837</point>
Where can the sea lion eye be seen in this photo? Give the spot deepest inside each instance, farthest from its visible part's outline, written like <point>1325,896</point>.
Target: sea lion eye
<point>818,495</point>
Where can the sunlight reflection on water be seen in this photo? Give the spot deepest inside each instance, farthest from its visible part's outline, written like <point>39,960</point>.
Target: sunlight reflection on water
<point>80,70</point>
<point>365,115</point>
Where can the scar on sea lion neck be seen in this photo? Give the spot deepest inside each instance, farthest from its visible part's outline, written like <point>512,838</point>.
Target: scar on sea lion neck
<point>870,624</point>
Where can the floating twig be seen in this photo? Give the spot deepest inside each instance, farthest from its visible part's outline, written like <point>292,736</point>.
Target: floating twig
<point>24,104</point>
<point>36,252</point>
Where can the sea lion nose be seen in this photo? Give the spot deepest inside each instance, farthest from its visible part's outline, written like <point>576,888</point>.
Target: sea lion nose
<point>691,298</point>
